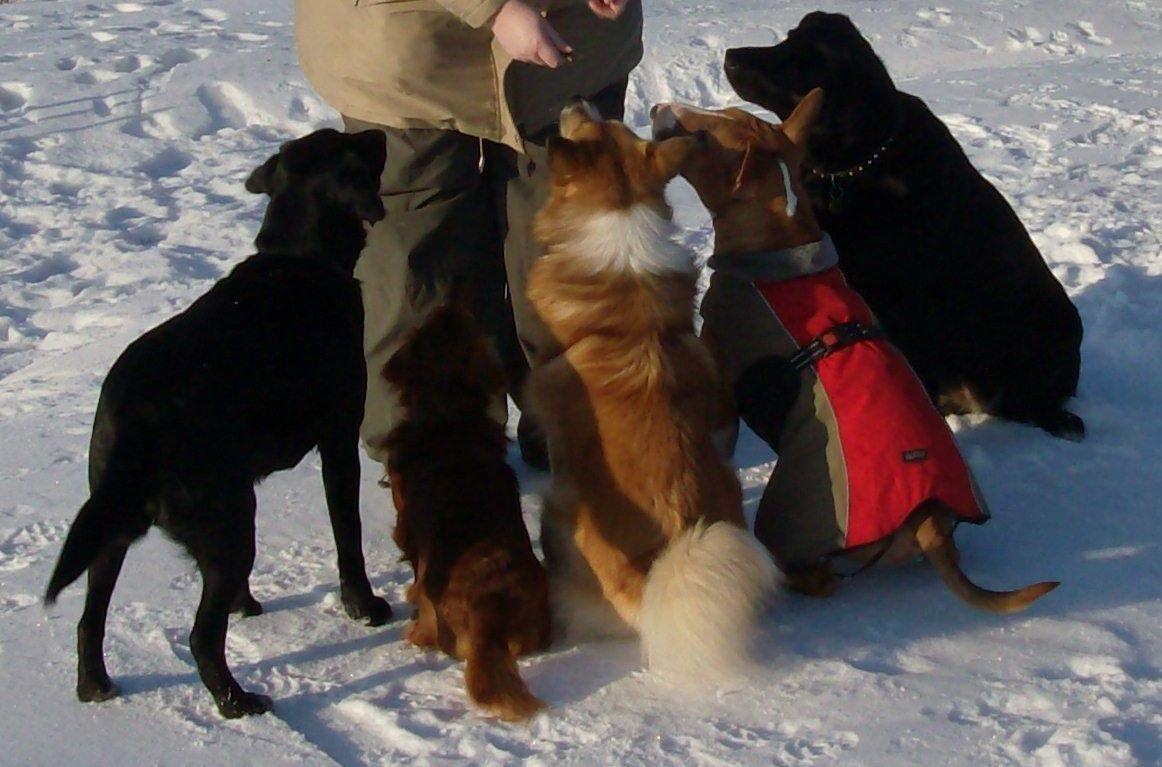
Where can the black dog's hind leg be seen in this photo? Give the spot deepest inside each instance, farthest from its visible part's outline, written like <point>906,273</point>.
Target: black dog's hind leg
<point>340,457</point>
<point>225,561</point>
<point>93,683</point>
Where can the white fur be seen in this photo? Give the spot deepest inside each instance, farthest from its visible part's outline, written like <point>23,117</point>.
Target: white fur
<point>701,602</point>
<point>638,239</point>
<point>591,111</point>
<point>579,616</point>
<point>792,198</point>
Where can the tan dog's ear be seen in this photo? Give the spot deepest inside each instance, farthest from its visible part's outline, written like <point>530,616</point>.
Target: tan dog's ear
<point>668,156</point>
<point>798,125</point>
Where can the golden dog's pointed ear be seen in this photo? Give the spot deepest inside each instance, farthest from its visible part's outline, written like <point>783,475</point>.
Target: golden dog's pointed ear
<point>668,156</point>
<point>798,125</point>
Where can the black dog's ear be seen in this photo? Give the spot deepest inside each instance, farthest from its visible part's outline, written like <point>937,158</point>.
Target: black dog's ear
<point>375,144</point>
<point>261,181</point>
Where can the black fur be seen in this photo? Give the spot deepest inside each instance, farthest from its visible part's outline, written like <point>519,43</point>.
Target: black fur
<point>938,253</point>
<point>253,375</point>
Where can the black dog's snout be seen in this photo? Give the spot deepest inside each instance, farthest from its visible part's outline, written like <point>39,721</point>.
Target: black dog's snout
<point>740,59</point>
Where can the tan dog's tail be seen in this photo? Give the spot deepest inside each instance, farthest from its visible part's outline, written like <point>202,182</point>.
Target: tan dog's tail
<point>936,542</point>
<point>491,674</point>
<point>701,601</point>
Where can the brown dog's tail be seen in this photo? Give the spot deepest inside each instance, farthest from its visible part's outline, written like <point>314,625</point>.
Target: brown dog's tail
<point>491,674</point>
<point>939,549</point>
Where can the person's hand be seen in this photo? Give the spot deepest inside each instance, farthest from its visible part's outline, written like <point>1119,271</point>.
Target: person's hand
<point>526,36</point>
<point>608,9</point>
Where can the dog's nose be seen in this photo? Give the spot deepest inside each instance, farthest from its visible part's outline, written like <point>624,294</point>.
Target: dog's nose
<point>663,121</point>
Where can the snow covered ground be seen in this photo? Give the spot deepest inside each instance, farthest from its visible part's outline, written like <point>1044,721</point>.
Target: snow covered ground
<point>126,130</point>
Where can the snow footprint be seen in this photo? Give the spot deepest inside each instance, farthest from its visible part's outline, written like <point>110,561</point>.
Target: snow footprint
<point>396,730</point>
<point>1097,668</point>
<point>212,15</point>
<point>14,96</point>
<point>16,603</point>
<point>808,743</point>
<point>168,162</point>
<point>935,17</point>
<point>131,63</point>
<point>228,107</point>
<point>1026,38</point>
<point>1091,36</point>
<point>26,546</point>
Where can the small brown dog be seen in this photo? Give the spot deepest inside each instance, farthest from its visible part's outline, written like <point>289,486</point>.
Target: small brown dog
<point>868,469</point>
<point>480,593</point>
<point>643,528</point>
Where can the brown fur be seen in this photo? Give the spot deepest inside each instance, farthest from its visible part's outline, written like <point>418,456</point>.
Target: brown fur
<point>737,175</point>
<point>480,593</point>
<point>628,396</point>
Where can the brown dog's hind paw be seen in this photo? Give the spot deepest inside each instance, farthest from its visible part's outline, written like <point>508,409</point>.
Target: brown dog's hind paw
<point>419,635</point>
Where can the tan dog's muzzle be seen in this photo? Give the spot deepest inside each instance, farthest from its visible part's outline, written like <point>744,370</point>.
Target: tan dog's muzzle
<point>576,116</point>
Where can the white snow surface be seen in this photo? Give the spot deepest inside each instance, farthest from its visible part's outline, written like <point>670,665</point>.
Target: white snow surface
<point>126,131</point>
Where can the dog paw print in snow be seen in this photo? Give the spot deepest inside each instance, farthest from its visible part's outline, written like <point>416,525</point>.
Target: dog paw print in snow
<point>935,17</point>
<point>14,96</point>
<point>1025,39</point>
<point>1090,34</point>
<point>1057,43</point>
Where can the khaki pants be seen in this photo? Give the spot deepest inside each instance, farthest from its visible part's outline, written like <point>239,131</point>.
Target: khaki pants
<point>459,211</point>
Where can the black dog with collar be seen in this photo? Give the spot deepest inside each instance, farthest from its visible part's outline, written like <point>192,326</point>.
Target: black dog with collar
<point>937,252</point>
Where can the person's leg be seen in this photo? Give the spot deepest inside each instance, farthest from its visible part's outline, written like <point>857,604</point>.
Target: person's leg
<point>525,182</point>
<point>437,231</point>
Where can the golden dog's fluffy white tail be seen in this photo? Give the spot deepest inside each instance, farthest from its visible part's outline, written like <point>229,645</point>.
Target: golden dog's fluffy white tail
<point>701,602</point>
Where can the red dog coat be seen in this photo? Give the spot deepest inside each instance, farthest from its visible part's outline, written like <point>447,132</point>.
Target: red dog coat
<point>863,446</point>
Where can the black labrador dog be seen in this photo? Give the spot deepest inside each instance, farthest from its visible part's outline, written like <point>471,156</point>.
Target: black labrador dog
<point>935,249</point>
<point>254,374</point>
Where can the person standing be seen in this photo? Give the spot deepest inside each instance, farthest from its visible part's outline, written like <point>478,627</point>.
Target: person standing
<point>467,93</point>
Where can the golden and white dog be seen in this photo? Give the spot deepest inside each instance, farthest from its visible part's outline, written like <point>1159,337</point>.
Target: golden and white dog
<point>643,528</point>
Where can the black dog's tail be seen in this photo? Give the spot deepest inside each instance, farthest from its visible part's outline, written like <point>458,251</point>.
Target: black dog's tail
<point>115,514</point>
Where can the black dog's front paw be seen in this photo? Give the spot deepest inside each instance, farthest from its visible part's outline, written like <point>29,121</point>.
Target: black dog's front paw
<point>239,704</point>
<point>367,606</point>
<point>96,690</point>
